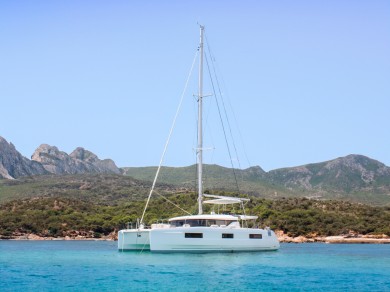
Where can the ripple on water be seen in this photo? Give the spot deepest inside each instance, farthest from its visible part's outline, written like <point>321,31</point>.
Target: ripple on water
<point>49,266</point>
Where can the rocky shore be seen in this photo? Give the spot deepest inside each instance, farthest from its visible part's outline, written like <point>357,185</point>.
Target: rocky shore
<point>75,235</point>
<point>347,238</point>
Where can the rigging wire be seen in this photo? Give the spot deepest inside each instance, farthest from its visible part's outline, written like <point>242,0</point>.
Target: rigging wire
<point>215,64</point>
<point>223,125</point>
<point>169,201</point>
<point>224,108</point>
<point>228,122</point>
<point>169,136</point>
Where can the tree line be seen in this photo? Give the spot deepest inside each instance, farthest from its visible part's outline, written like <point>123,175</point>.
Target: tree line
<point>59,216</point>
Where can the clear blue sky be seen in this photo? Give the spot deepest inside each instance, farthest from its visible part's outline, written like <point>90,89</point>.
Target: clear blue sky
<point>309,81</point>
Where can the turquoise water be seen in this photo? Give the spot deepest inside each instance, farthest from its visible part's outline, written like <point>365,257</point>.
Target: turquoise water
<point>98,266</point>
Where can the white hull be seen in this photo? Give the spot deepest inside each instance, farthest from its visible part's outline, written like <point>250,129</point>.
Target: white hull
<point>174,240</point>
<point>134,239</point>
<point>213,240</point>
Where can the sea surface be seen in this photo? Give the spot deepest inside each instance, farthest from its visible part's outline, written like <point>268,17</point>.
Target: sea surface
<point>98,266</point>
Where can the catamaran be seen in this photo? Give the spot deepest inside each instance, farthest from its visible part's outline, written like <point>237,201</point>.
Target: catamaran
<point>212,232</point>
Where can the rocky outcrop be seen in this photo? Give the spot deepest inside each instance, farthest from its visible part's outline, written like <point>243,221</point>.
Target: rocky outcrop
<point>50,160</point>
<point>104,166</point>
<point>79,161</point>
<point>14,165</point>
<point>53,160</point>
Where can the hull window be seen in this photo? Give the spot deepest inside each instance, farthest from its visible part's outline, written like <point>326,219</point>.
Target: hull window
<point>194,235</point>
<point>227,235</point>
<point>256,236</point>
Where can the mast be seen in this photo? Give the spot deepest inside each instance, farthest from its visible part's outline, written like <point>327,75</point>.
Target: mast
<point>200,134</point>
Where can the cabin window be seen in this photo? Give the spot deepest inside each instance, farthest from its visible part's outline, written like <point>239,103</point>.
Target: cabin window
<point>200,222</point>
<point>223,222</point>
<point>256,236</point>
<point>178,223</point>
<point>191,222</point>
<point>227,235</point>
<point>196,222</point>
<point>211,222</point>
<point>194,235</point>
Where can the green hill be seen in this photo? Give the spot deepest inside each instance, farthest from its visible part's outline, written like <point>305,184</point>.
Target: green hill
<point>252,180</point>
<point>354,178</point>
<point>99,188</point>
<point>97,204</point>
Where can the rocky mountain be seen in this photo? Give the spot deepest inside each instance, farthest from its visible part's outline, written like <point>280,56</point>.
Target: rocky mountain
<point>13,164</point>
<point>103,166</point>
<point>50,160</point>
<point>346,174</point>
<point>353,177</point>
<point>79,161</point>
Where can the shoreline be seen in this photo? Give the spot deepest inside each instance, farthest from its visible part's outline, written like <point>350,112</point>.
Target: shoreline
<point>335,239</point>
<point>346,238</point>
<point>34,237</point>
<point>31,236</point>
<point>283,238</point>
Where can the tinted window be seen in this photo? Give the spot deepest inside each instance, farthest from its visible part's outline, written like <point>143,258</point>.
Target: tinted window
<point>256,236</point>
<point>196,222</point>
<point>177,223</point>
<point>194,235</point>
<point>200,222</point>
<point>192,222</point>
<point>227,235</point>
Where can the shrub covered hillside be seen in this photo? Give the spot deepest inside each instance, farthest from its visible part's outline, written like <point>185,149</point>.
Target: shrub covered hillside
<point>59,216</point>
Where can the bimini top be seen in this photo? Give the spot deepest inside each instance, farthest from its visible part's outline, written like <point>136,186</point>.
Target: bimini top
<point>222,200</point>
